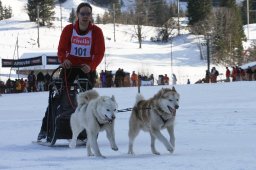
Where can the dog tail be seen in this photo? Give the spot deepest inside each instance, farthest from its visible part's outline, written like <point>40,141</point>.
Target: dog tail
<point>139,97</point>
<point>84,97</point>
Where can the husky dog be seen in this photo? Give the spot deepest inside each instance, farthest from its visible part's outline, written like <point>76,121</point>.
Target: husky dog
<point>94,114</point>
<point>152,115</point>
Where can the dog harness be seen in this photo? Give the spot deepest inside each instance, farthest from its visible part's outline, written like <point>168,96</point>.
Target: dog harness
<point>163,115</point>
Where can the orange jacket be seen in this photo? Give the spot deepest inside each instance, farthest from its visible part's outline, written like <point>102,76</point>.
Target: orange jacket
<point>97,47</point>
<point>134,77</point>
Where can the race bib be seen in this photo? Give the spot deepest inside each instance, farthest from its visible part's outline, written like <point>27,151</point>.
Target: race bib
<point>81,44</point>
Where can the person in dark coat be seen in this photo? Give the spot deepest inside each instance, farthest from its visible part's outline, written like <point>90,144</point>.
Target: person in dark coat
<point>31,82</point>
<point>40,81</point>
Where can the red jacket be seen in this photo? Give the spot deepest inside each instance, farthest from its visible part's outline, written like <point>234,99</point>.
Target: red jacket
<point>97,47</point>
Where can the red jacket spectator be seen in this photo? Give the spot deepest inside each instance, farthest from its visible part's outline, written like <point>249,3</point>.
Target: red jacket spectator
<point>227,74</point>
<point>234,73</point>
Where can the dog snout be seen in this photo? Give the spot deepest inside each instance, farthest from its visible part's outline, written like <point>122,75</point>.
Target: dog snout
<point>176,106</point>
<point>113,117</point>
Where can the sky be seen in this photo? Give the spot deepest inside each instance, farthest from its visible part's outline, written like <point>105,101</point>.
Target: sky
<point>215,125</point>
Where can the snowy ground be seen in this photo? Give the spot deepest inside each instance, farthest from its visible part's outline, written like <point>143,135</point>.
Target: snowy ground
<point>215,129</point>
<point>215,125</point>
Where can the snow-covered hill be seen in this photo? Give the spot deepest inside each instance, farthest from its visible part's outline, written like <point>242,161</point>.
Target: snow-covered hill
<point>182,57</point>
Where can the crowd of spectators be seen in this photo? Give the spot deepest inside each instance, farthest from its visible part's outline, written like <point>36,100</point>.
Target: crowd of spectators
<point>239,74</point>
<point>234,73</point>
<point>33,83</point>
<point>120,78</point>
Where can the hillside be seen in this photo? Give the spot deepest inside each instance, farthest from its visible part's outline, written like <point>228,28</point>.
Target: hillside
<point>182,57</point>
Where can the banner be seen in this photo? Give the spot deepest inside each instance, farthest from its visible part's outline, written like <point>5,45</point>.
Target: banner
<point>52,60</point>
<point>22,62</point>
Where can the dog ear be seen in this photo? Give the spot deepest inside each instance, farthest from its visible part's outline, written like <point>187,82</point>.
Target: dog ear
<point>87,98</point>
<point>113,98</point>
<point>173,88</point>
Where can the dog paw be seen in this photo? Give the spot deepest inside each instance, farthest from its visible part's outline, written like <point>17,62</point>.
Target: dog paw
<point>101,156</point>
<point>156,153</point>
<point>90,154</point>
<point>171,150</point>
<point>131,153</point>
<point>72,145</point>
<point>115,148</point>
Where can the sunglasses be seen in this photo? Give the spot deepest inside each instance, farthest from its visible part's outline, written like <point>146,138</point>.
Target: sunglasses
<point>83,14</point>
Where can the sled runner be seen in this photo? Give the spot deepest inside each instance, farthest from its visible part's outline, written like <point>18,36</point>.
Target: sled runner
<point>80,143</point>
<point>61,104</point>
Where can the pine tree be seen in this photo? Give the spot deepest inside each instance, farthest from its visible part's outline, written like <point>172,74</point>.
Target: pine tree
<point>228,3</point>
<point>72,16</point>
<point>7,12</point>
<point>228,34</point>
<point>198,10</point>
<point>1,11</point>
<point>153,12</point>
<point>98,19</point>
<point>46,11</point>
<point>199,14</point>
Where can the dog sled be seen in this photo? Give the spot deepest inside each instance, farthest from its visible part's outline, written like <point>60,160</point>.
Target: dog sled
<point>61,104</point>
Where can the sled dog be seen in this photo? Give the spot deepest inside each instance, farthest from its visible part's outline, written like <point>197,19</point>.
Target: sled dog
<point>152,115</point>
<point>94,113</point>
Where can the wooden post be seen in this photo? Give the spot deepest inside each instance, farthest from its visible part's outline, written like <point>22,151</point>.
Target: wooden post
<point>139,83</point>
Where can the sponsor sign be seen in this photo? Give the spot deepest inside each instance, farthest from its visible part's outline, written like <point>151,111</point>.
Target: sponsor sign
<point>22,62</point>
<point>52,60</point>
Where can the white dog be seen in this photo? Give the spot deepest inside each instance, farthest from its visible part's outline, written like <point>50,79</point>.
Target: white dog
<point>152,115</point>
<point>94,113</point>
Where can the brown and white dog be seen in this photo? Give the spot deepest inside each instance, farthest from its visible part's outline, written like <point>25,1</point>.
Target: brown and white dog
<point>152,115</point>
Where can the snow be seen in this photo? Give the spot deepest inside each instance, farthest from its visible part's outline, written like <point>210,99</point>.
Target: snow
<point>215,125</point>
<point>215,129</point>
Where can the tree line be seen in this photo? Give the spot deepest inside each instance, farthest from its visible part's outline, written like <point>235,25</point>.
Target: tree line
<point>5,12</point>
<point>222,20</point>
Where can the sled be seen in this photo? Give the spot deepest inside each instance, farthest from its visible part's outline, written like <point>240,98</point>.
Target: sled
<point>61,104</point>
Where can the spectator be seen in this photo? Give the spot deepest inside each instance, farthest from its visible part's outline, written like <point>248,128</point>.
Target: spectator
<point>227,74</point>
<point>18,86</point>
<point>103,78</point>
<point>23,85</point>
<point>249,73</point>
<point>31,82</point>
<point>134,78</point>
<point>166,79</point>
<point>234,73</point>
<point>47,79</point>
<point>188,81</point>
<point>40,81</point>
<point>213,75</point>
<point>8,86</point>
<point>2,87</point>
<point>109,79</point>
<point>151,77</point>
<point>242,74</point>
<point>238,74</point>
<point>174,79</point>
<point>207,77</point>
<point>122,74</point>
<point>118,77</point>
